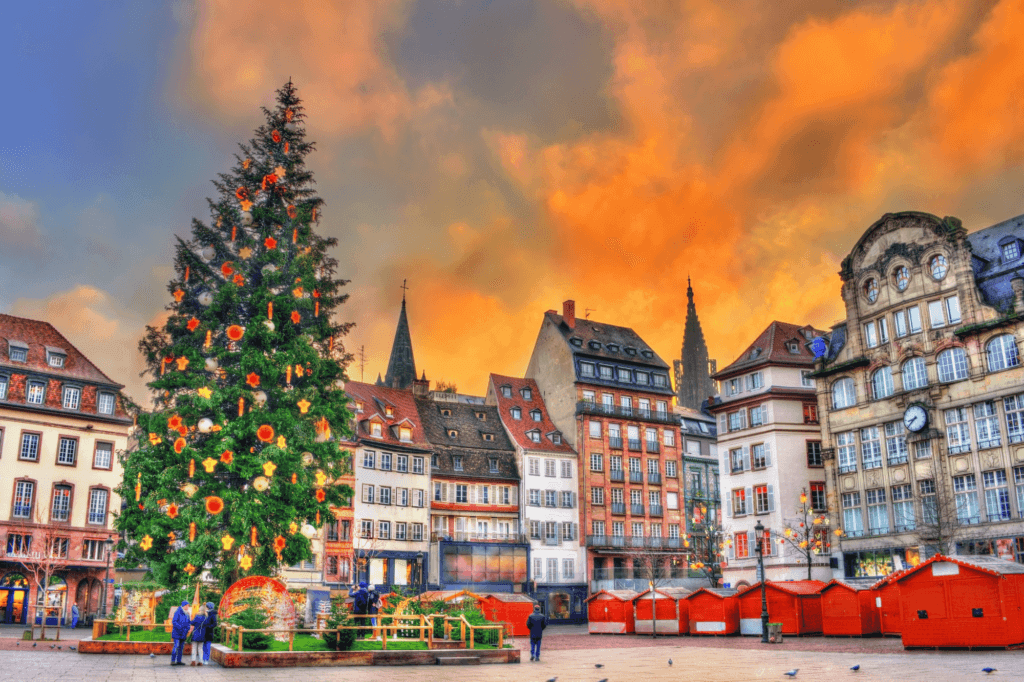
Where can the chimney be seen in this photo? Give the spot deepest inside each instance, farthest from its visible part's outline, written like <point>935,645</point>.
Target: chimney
<point>421,386</point>
<point>569,313</point>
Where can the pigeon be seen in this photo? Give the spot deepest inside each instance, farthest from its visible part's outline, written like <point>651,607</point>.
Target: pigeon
<point>152,655</point>
<point>792,673</point>
<point>988,671</point>
<point>53,646</point>
<point>604,680</point>
<point>855,668</point>
<point>60,648</point>
<point>73,648</point>
<point>599,665</point>
<point>670,661</point>
<point>35,644</point>
<point>553,679</point>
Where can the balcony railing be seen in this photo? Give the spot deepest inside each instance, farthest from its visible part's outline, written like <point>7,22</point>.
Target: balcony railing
<point>636,477</point>
<point>552,541</point>
<point>618,507</point>
<point>634,445</point>
<point>657,510</point>
<point>636,509</point>
<point>660,416</point>
<point>653,478</point>
<point>1003,516</point>
<point>634,542</point>
<point>615,443</point>
<point>617,475</point>
<point>897,459</point>
<point>848,469</point>
<point>653,446</point>
<point>466,536</point>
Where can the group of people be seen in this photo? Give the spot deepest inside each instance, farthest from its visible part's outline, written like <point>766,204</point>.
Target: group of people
<point>365,602</point>
<point>198,629</point>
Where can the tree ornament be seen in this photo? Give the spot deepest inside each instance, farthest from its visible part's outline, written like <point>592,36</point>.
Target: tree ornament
<point>268,469</point>
<point>294,478</point>
<point>182,363</point>
<point>205,299</point>
<point>279,545</point>
<point>269,269</point>
<point>318,518</point>
<point>320,495</point>
<point>316,309</point>
<point>293,213</point>
<point>270,310</point>
<point>192,532</point>
<point>206,343</point>
<point>227,457</point>
<point>253,379</point>
<point>270,243</point>
<point>242,193</point>
<point>208,253</point>
<point>279,172</point>
<point>268,181</point>
<point>286,146</point>
<point>171,536</point>
<point>260,398</point>
<point>138,487</point>
<point>214,505</point>
<point>146,543</point>
<point>178,295</point>
<point>190,569</point>
<point>281,442</point>
<point>155,439</point>
<point>269,324</point>
<point>189,489</point>
<point>321,478</point>
<point>205,392</point>
<point>246,218</point>
<point>209,464</point>
<point>308,530</point>
<point>296,318</point>
<point>172,511</point>
<point>205,424</point>
<point>275,136</point>
<point>246,562</point>
<point>241,406</point>
<point>252,537</point>
<point>179,445</point>
<point>323,430</point>
<point>288,114</point>
<point>191,468</point>
<point>293,528</point>
<point>288,375</point>
<point>226,269</point>
<point>235,332</point>
<point>226,542</point>
<point>245,253</point>
<point>299,371</point>
<point>307,458</point>
<point>261,483</point>
<point>265,433</point>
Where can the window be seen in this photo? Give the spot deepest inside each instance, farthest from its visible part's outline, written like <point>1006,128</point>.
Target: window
<point>953,309</point>
<point>952,365</point>
<point>402,497</point>
<point>534,435</point>
<point>565,468</point>
<point>550,498</point>
<point>597,495</point>
<point>368,459</point>
<point>534,464</point>
<point>965,491</point>
<point>376,429</point>
<point>587,369</point>
<point>1018,481</point>
<point>902,508</point>
<point>98,505</point>
<point>806,379</point>
<point>72,397</point>
<point>923,449</point>
<point>568,569</point>
<point>870,335</point>
<point>29,447</point>
<point>625,376</point>
<point>914,374</point>
<point>368,493</point>
<point>810,413</point>
<point>417,498</point>
<point>93,550</point>
<point>3,387</point>
<point>736,459</point>
<point>534,498</point>
<point>643,378</point>
<point>506,391</point>
<point>595,429</point>
<point>818,502</point>
<point>878,514</point>
<point>938,266</point>
<point>755,380</point>
<point>660,380</point>
<point>935,316</point>
<point>606,372</point>
<point>739,502</point>
<point>596,462</point>
<point>18,544</point>
<point>618,529</point>
<point>766,543</point>
<point>929,504</point>
<point>737,420</point>
<point>67,451</point>
<point>17,353</point>
<point>763,499</point>
<point>914,318</point>
<point>757,415</point>
<point>843,394</point>
<point>672,500</point>
<point>814,454</point>
<point>901,277</point>
<point>1001,353</point>
<point>105,403</point>
<point>536,415</point>
<point>417,465</point>
<point>895,443</point>
<point>485,494</point>
<point>36,391</point>
<point>986,425</point>
<point>1011,251</point>
<point>385,461</point>
<point>1014,409</point>
<point>527,394</point>
<point>417,532</point>
<point>760,458</point>
<point>899,318</point>
<point>401,463</point>
<point>384,530</point>
<point>733,387</point>
<point>740,546</point>
<point>366,529</point>
<point>881,383</point>
<point>670,468</point>
<point>588,396</point>
<point>853,520</point>
<point>61,509</point>
<point>870,448</point>
<point>55,359</point>
<point>549,468</point>
<point>400,530</point>
<point>847,452</point>
<point>637,529</point>
<point>405,434</point>
<point>871,290</point>
<point>457,462</point>
<point>997,497</point>
<point>958,433</point>
<point>461,494</point>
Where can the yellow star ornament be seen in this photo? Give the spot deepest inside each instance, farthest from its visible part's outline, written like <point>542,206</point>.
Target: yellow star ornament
<point>321,479</point>
<point>293,528</point>
<point>268,469</point>
<point>209,464</point>
<point>226,542</point>
<point>245,253</point>
<point>147,542</point>
<point>205,392</point>
<point>279,171</point>
<point>190,569</point>
<point>281,442</point>
<point>246,562</point>
<point>304,406</point>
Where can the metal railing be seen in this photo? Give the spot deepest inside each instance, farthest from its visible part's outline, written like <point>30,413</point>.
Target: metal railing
<point>636,477</point>
<point>657,510</point>
<point>617,475</point>
<point>467,536</point>
<point>618,507</point>
<point>897,459</point>
<point>634,445</point>
<point>660,416</point>
<point>623,541</point>
<point>653,446</point>
<point>636,509</point>
<point>653,478</point>
<point>615,443</point>
<point>638,573</point>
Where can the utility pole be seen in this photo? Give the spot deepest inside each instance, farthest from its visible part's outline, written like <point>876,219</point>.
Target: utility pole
<point>362,363</point>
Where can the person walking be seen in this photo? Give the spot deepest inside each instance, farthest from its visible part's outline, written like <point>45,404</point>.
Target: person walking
<point>198,634</point>
<point>536,624</point>
<point>179,631</point>
<point>211,624</point>
<point>74,615</point>
<point>360,606</point>
<point>373,609</point>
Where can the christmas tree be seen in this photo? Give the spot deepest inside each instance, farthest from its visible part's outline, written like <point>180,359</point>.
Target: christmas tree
<point>236,463</point>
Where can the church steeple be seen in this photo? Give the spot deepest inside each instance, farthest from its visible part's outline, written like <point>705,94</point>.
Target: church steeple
<point>693,372</point>
<point>401,366</point>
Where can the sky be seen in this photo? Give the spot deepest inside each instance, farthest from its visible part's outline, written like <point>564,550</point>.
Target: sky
<point>504,156</point>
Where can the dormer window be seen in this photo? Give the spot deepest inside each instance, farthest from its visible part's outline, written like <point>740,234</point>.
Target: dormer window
<point>630,351</point>
<point>556,438</point>
<point>389,411</point>
<point>661,380</point>
<point>533,435</point>
<point>493,465</point>
<point>1011,250</point>
<point>625,375</point>
<point>517,413</point>
<point>376,429</point>
<point>55,359</point>
<point>613,347</point>
<point>506,391</point>
<point>754,352</point>
<point>457,462</point>
<point>576,341</point>
<point>595,345</point>
<point>452,433</point>
<point>433,460</point>
<point>489,437</point>
<point>793,347</point>
<point>405,433</point>
<point>17,351</point>
<point>359,406</point>
<point>643,378</point>
<point>445,412</point>
<point>527,394</point>
<point>536,415</point>
<point>647,354</point>
<point>482,416</point>
<point>71,398</point>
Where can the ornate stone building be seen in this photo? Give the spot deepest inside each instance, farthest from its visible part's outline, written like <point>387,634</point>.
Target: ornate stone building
<point>694,370</point>
<point>921,392</point>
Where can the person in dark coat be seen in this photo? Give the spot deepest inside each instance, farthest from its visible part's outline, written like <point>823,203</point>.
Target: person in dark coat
<point>360,606</point>
<point>179,632</point>
<point>536,624</point>
<point>373,609</point>
<point>211,624</point>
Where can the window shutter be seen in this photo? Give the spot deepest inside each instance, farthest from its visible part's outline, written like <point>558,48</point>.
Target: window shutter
<point>768,412</point>
<point>771,499</point>
<point>726,507</point>
<point>748,493</point>
<point>514,495</point>
<point>746,458</point>
<point>574,502</point>
<point>722,424</point>
<point>749,381</point>
<point>732,550</point>
<point>575,531</point>
<point>768,454</point>
<point>751,543</point>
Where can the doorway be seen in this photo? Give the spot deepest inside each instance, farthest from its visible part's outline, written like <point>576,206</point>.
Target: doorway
<point>13,599</point>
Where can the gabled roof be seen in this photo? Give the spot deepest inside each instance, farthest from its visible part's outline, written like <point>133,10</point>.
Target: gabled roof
<point>769,348</point>
<point>373,399</point>
<point>518,428</point>
<point>39,335</point>
<point>621,595</point>
<point>468,440</point>
<point>670,592</point>
<point>885,580</point>
<point>987,564</point>
<point>605,334</point>
<point>717,592</point>
<point>845,585</point>
<point>790,586</point>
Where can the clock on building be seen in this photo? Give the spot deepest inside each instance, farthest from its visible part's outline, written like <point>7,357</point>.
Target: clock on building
<point>915,418</point>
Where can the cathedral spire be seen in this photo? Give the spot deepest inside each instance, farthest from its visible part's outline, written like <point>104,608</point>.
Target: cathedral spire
<point>401,366</point>
<point>693,371</point>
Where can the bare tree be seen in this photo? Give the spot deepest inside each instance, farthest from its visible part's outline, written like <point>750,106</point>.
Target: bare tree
<point>706,544</point>
<point>944,520</point>
<point>808,532</point>
<point>41,557</point>
<point>655,565</point>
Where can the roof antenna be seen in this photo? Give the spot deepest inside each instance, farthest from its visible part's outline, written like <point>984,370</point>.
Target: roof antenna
<point>586,313</point>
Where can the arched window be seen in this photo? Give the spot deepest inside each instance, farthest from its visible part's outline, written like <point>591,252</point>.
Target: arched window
<point>952,365</point>
<point>938,265</point>
<point>843,394</point>
<point>1002,353</point>
<point>881,383</point>
<point>914,374</point>
<point>901,277</point>
<point>871,290</point>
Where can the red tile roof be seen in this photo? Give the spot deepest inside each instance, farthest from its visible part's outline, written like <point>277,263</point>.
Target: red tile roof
<point>771,349</point>
<point>374,400</point>
<point>38,335</point>
<point>518,428</point>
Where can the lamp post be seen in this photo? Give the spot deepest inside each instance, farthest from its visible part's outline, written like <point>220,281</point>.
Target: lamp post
<point>419,570</point>
<point>109,543</point>
<point>759,530</point>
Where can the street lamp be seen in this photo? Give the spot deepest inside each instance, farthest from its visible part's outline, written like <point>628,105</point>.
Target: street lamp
<point>759,530</point>
<point>419,569</point>
<point>109,542</point>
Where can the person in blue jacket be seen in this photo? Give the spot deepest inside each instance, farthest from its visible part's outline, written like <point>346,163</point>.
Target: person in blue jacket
<point>179,632</point>
<point>199,624</point>
<point>536,624</point>
<point>211,624</point>
<point>74,615</point>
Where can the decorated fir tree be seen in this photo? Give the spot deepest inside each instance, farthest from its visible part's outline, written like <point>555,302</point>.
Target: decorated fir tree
<point>236,464</point>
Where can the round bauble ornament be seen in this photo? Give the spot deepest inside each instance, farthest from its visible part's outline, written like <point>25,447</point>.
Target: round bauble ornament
<point>212,365</point>
<point>246,218</point>
<point>308,530</point>
<point>340,384</point>
<point>205,298</point>
<point>189,489</point>
<point>269,269</point>
<point>208,253</point>
<point>269,324</point>
<point>205,425</point>
<point>307,458</point>
<point>261,483</point>
<point>260,398</point>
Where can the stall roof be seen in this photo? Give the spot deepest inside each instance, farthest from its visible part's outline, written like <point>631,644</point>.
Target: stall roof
<point>790,586</point>
<point>719,592</point>
<point>622,595</point>
<point>672,592</point>
<point>841,583</point>
<point>988,564</point>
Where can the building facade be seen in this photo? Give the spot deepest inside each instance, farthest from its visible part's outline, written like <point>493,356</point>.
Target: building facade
<point>769,451</point>
<point>391,462</point>
<point>476,541</point>
<point>549,498</point>
<point>701,504</point>
<point>694,368</point>
<point>610,394</point>
<point>62,425</point>
<point>920,386</point>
